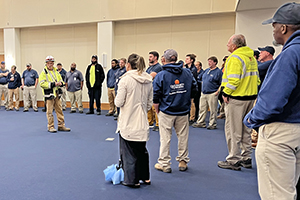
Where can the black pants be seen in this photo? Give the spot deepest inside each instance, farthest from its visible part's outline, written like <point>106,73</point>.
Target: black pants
<point>95,94</point>
<point>135,161</point>
<point>197,101</point>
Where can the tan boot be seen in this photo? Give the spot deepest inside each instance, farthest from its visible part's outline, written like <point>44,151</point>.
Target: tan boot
<point>63,129</point>
<point>163,169</point>
<point>182,166</point>
<point>52,130</point>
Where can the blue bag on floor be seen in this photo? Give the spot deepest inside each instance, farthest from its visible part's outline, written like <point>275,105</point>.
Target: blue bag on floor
<point>110,171</point>
<point>118,177</point>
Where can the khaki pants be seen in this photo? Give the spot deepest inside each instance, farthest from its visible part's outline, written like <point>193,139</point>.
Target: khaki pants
<point>63,97</point>
<point>29,92</point>
<point>76,96</point>
<point>111,98</point>
<point>238,136</point>
<point>192,111</point>
<point>56,105</point>
<point>4,91</point>
<point>278,160</point>
<point>181,126</point>
<point>151,115</point>
<point>13,92</point>
<point>208,101</point>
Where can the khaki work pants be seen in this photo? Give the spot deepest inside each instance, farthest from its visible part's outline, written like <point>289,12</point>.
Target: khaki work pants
<point>11,93</point>
<point>208,101</point>
<point>111,98</point>
<point>76,97</point>
<point>29,93</point>
<point>238,136</point>
<point>192,111</point>
<point>4,91</point>
<point>56,105</point>
<point>181,126</point>
<point>278,160</point>
<point>63,97</point>
<point>151,116</point>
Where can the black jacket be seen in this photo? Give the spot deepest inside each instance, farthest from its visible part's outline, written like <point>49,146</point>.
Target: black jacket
<point>100,76</point>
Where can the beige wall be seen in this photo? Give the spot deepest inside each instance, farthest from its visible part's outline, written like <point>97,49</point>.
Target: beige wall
<point>203,35</point>
<point>66,44</point>
<point>57,12</point>
<point>1,42</point>
<point>257,35</point>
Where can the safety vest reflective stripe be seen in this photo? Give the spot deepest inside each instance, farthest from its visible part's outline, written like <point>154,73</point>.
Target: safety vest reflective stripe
<point>230,86</point>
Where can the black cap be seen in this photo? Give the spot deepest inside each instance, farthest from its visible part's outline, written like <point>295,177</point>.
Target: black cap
<point>95,56</point>
<point>256,53</point>
<point>288,13</point>
<point>269,49</point>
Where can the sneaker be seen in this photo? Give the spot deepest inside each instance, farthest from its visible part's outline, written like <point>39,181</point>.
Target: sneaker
<point>73,111</point>
<point>182,166</point>
<point>36,110</point>
<point>227,165</point>
<point>17,109</point>
<point>211,127</point>
<point>80,111</point>
<point>63,129</point>
<point>90,112</point>
<point>116,118</point>
<point>109,114</point>
<point>52,130</point>
<point>99,113</point>
<point>246,163</point>
<point>221,116</point>
<point>116,115</point>
<point>155,128</point>
<point>163,169</point>
<point>64,109</point>
<point>26,110</point>
<point>195,125</point>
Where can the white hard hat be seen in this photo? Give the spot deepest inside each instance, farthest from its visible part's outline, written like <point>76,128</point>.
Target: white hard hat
<point>49,58</point>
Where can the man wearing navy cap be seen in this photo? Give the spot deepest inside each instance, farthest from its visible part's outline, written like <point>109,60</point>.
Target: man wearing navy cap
<point>265,58</point>
<point>277,112</point>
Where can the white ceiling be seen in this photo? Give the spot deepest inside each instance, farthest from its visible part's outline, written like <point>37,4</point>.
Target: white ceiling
<point>243,5</point>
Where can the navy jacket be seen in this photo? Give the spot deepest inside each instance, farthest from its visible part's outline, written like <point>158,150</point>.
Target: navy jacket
<point>16,82</point>
<point>278,99</point>
<point>172,89</point>
<point>111,77</point>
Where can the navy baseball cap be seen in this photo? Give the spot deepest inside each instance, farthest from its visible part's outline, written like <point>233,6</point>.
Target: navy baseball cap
<point>2,62</point>
<point>288,13</point>
<point>269,49</point>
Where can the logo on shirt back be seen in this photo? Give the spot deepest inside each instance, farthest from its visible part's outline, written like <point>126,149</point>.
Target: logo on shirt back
<point>177,88</point>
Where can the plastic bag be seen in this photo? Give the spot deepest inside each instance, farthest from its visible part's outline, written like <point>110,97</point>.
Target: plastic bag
<point>110,171</point>
<point>118,177</point>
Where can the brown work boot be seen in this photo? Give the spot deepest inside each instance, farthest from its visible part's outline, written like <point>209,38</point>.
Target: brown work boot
<point>182,166</point>
<point>63,129</point>
<point>221,116</point>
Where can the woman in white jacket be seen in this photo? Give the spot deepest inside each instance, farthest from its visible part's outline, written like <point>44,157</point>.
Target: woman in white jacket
<point>134,98</point>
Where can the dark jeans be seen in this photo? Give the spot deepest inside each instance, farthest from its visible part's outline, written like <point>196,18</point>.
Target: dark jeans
<point>197,101</point>
<point>95,94</point>
<point>135,161</point>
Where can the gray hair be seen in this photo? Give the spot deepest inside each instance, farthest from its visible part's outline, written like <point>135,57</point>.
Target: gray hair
<point>239,40</point>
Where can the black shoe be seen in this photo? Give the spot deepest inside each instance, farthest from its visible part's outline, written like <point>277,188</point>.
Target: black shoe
<point>36,110</point>
<point>90,112</point>
<point>155,128</point>
<point>80,111</point>
<point>116,115</point>
<point>116,118</point>
<point>73,111</point>
<point>99,113</point>
<point>109,114</point>
<point>191,122</point>
<point>227,165</point>
<point>64,109</point>
<point>25,110</point>
<point>44,110</point>
<point>246,163</point>
<point>132,186</point>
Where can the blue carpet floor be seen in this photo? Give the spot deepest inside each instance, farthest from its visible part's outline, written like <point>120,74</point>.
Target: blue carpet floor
<point>38,165</point>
